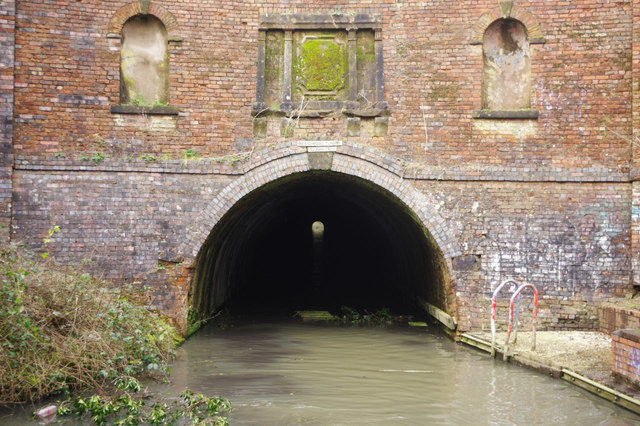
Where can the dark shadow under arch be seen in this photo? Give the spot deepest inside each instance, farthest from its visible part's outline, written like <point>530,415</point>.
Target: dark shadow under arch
<point>374,253</point>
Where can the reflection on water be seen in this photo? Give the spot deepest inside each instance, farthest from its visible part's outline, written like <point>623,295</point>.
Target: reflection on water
<point>290,373</point>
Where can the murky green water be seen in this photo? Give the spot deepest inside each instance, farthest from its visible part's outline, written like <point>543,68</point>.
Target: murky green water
<point>286,373</point>
<point>292,373</point>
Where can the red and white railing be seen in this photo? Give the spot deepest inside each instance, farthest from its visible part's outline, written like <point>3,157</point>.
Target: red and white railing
<point>515,296</point>
<point>514,307</point>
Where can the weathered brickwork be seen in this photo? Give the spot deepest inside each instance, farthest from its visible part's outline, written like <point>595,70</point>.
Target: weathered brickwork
<point>614,318</point>
<point>552,201</point>
<point>625,345</point>
<point>570,240</point>
<point>7,62</point>
<point>102,213</point>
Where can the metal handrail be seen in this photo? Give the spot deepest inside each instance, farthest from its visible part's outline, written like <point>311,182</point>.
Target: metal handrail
<point>494,302</point>
<point>511,316</point>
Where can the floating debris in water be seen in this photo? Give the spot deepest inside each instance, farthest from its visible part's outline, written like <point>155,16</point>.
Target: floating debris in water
<point>47,411</point>
<point>315,316</point>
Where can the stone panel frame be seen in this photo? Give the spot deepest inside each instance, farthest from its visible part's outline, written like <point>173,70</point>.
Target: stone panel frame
<point>507,10</point>
<point>333,22</point>
<point>114,33</point>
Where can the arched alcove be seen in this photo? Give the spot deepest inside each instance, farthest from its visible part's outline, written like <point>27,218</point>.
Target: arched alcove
<point>144,62</point>
<point>506,76</point>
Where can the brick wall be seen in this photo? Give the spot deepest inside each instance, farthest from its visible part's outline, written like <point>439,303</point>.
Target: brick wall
<point>7,62</point>
<point>570,240</point>
<point>546,201</point>
<point>63,103</point>
<point>635,208</point>
<point>614,318</point>
<point>626,355</point>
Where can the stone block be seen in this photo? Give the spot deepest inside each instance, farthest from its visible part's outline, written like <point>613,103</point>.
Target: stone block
<point>259,128</point>
<point>381,126</point>
<point>320,160</point>
<point>353,127</point>
<point>286,127</point>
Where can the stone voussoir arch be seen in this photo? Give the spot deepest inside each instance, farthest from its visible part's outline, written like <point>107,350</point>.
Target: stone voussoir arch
<point>351,160</point>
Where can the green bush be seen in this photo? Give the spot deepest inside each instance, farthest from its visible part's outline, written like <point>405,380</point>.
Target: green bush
<point>62,331</point>
<point>125,409</point>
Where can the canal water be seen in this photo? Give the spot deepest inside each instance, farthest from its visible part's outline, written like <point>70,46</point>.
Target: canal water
<point>288,373</point>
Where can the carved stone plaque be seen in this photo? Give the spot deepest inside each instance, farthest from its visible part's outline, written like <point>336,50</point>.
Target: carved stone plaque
<point>320,66</point>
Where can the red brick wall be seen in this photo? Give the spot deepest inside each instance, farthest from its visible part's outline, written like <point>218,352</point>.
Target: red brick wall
<point>547,201</point>
<point>635,171</point>
<point>7,62</point>
<point>581,79</point>
<point>626,354</point>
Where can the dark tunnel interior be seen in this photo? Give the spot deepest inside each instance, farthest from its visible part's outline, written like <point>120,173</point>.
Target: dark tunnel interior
<point>367,252</point>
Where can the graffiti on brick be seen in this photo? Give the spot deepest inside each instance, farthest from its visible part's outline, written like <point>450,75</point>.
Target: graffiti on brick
<point>635,362</point>
<point>564,255</point>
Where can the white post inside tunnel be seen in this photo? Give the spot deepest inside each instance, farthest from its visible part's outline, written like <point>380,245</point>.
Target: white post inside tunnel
<point>317,234</point>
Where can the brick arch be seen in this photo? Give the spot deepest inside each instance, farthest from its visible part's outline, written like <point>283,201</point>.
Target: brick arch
<point>144,7</point>
<point>507,10</point>
<point>351,160</point>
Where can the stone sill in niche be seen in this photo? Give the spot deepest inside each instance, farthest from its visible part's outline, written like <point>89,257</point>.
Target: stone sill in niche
<point>508,115</point>
<point>148,110</point>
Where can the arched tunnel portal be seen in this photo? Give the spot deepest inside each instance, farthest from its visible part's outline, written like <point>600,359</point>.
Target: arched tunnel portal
<point>319,240</point>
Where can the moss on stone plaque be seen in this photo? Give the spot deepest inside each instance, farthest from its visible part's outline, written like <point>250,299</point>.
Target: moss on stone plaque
<point>321,66</point>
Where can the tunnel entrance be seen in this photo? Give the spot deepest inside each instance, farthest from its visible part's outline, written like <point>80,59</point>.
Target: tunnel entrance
<point>319,240</point>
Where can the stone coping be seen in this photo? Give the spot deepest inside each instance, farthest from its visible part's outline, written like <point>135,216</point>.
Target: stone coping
<point>320,21</point>
<point>629,334</point>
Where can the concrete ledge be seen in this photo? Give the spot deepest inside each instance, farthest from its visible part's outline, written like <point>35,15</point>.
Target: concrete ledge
<point>599,389</point>
<point>602,391</point>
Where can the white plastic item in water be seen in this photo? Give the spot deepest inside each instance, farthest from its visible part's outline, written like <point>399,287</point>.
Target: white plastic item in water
<point>47,411</point>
